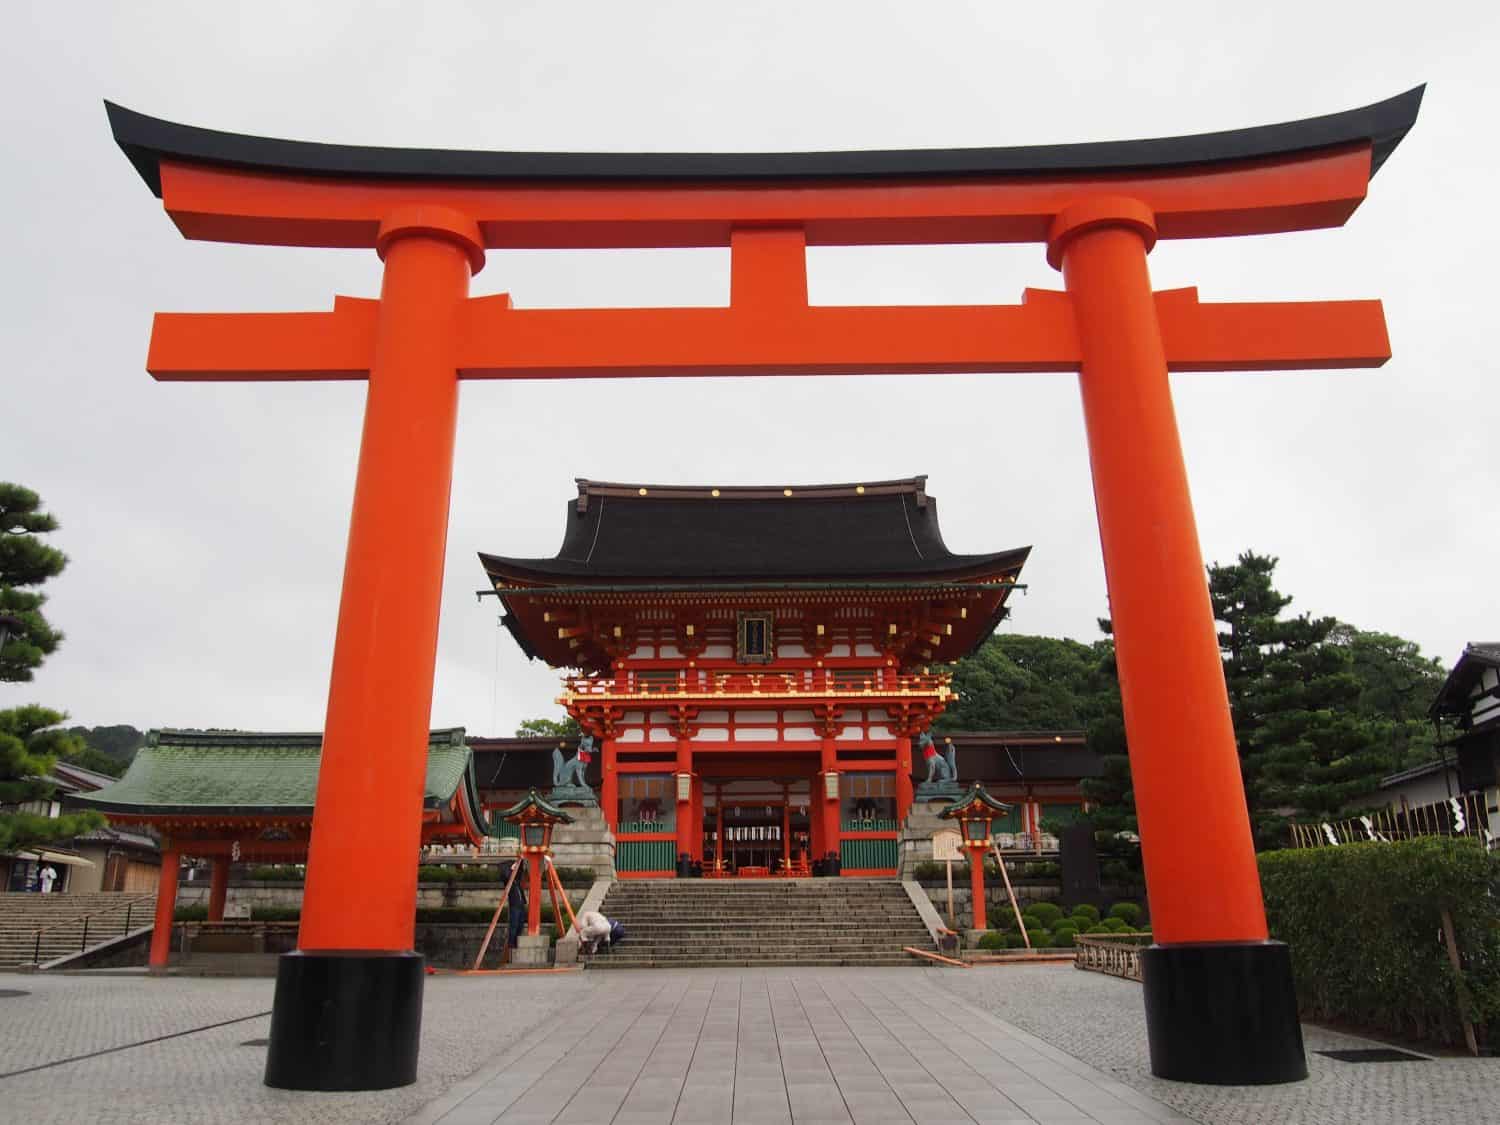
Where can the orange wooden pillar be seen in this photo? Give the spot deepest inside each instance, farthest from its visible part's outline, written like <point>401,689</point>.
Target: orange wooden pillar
<point>684,799</point>
<point>166,907</point>
<point>355,968</point>
<point>534,894</point>
<point>903,778</point>
<point>218,888</point>
<point>828,806</point>
<point>609,787</point>
<point>976,888</point>
<point>1207,915</point>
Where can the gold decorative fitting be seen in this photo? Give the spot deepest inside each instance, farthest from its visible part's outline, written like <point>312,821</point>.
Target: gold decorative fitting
<point>642,491</point>
<point>715,492</point>
<point>786,491</point>
<point>860,489</point>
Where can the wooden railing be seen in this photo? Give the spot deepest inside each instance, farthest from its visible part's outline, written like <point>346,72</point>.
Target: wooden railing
<point>1119,955</point>
<point>702,684</point>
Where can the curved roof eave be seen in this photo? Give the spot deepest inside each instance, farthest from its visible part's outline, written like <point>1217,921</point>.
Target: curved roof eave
<point>147,141</point>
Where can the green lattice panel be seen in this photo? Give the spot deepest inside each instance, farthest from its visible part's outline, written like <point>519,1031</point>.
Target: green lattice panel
<point>646,855</point>
<point>871,826</point>
<point>860,855</point>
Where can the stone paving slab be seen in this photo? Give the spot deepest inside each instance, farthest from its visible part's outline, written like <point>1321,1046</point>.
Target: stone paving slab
<point>1097,1021</point>
<point>814,1046</point>
<point>206,1077</point>
<point>989,1046</point>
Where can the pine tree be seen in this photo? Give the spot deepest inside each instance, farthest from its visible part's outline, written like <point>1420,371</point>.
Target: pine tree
<point>30,744</point>
<point>25,561</point>
<point>1305,751</point>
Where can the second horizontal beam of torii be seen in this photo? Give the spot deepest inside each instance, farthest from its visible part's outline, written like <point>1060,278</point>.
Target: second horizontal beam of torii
<point>498,341</point>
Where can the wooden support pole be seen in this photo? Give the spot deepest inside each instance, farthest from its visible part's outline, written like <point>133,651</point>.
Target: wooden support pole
<point>1010,893</point>
<point>1451,941</point>
<point>494,921</point>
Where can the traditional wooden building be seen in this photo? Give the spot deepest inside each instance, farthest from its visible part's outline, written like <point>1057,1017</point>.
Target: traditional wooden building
<point>752,665</point>
<point>245,796</point>
<point>1467,712</point>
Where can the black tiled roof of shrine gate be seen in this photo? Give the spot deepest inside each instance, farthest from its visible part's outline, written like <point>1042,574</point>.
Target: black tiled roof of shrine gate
<point>686,536</point>
<point>147,141</point>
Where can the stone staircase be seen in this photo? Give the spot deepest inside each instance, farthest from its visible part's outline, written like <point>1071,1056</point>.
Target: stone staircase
<point>68,922</point>
<point>720,923</point>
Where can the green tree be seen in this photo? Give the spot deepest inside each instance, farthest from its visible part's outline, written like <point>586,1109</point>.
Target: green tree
<point>1397,685</point>
<point>26,561</point>
<point>30,745</point>
<point>548,728</point>
<point>1015,681</point>
<point>1305,749</point>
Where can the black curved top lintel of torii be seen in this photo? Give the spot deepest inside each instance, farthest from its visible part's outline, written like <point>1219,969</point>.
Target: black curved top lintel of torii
<point>147,141</point>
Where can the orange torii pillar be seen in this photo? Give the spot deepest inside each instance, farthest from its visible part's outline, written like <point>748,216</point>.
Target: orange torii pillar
<point>1220,1005</point>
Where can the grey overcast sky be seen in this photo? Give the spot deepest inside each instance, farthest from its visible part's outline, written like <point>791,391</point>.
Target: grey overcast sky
<point>206,524</point>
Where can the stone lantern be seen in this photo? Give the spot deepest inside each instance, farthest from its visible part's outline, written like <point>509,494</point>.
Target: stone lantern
<point>975,811</point>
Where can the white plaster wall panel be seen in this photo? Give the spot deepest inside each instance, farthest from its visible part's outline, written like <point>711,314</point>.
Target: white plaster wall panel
<point>634,717</point>
<point>853,715</point>
<point>851,734</point>
<point>863,649</point>
<point>877,715</point>
<point>635,735</point>
<point>800,734</point>
<point>669,652</point>
<point>661,734</point>
<point>839,650</point>
<point>713,716</point>
<point>712,734</point>
<point>881,732</point>
<point>796,716</point>
<point>718,652</point>
<point>755,734</point>
<point>661,716</point>
<point>643,652</point>
<point>784,651</point>
<point>755,716</point>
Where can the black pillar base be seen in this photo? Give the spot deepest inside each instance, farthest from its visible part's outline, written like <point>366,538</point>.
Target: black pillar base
<point>1223,1014</point>
<point>346,1021</point>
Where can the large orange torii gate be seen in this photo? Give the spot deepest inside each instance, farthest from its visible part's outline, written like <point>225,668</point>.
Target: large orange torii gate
<point>1219,1000</point>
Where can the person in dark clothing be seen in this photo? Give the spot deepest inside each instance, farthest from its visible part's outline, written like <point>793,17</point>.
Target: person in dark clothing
<point>515,901</point>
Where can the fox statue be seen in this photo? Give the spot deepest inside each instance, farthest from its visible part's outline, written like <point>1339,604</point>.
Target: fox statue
<point>940,767</point>
<point>571,771</point>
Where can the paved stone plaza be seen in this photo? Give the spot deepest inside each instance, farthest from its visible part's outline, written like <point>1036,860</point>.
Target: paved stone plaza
<point>986,1046</point>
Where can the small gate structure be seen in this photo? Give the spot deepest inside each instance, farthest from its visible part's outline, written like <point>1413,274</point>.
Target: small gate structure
<point>1219,999</point>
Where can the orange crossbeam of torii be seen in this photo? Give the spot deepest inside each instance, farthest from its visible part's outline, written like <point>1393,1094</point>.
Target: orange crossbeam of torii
<point>1219,999</point>
<point>497,341</point>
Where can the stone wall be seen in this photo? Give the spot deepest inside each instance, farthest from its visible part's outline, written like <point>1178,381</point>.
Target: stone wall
<point>269,893</point>
<point>996,902</point>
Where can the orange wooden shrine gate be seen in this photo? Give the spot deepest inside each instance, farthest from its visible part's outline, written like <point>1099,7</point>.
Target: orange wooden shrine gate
<point>1218,995</point>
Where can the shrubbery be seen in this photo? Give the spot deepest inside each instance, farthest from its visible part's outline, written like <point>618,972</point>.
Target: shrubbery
<point>1127,912</point>
<point>993,940</point>
<point>1048,913</point>
<point>1364,922</point>
<point>1088,911</point>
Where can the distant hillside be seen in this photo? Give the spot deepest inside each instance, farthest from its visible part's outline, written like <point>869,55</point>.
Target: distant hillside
<point>118,744</point>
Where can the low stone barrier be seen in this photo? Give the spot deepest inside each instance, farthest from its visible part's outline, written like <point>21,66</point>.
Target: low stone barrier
<point>1119,955</point>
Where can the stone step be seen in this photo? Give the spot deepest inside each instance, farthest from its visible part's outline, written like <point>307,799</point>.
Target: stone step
<point>621,963</point>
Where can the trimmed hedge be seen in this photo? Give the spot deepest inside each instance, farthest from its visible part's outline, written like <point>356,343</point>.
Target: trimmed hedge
<point>1365,930</point>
